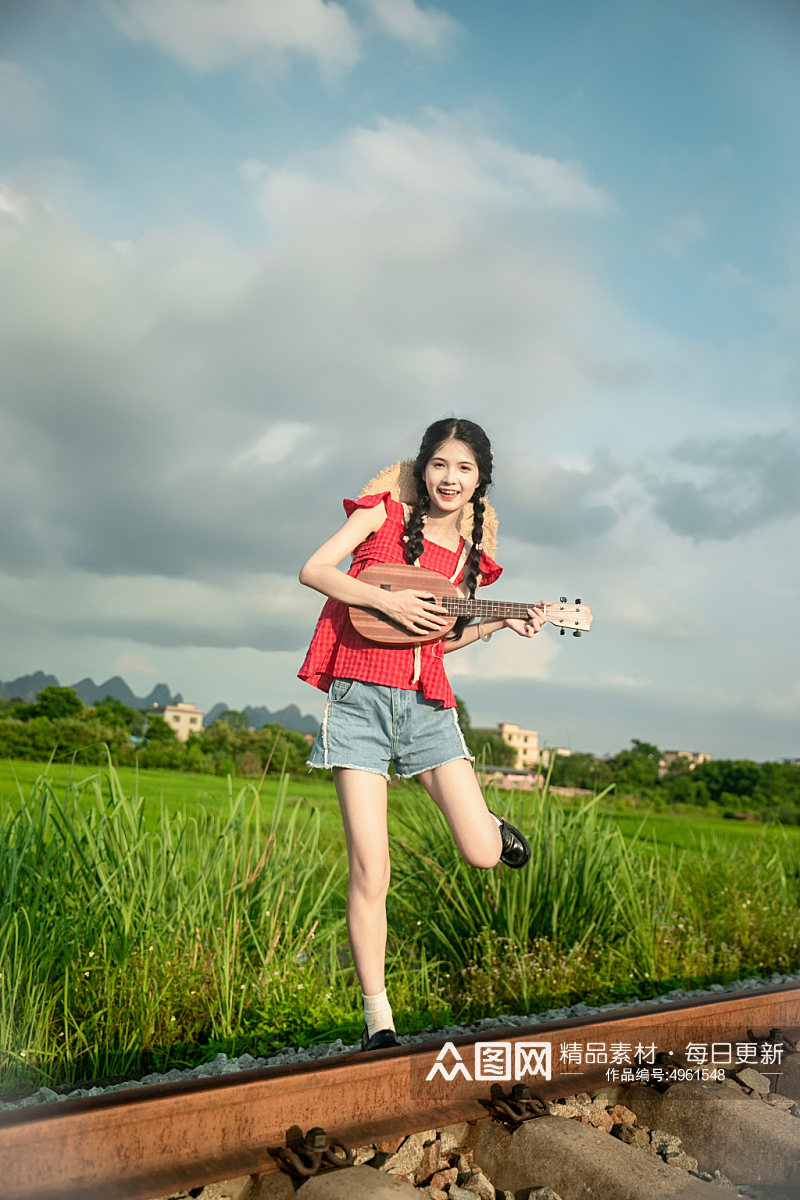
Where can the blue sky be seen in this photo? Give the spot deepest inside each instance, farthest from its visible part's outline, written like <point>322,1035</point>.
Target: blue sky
<point>252,249</point>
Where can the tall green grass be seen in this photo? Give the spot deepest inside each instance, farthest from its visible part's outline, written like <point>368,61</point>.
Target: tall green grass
<point>129,943</point>
<point>595,916</point>
<point>571,892</point>
<point>118,941</point>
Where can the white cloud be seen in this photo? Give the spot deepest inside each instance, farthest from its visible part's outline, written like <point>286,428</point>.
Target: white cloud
<point>275,445</point>
<point>615,680</point>
<point>507,656</point>
<point>22,106</point>
<point>682,232</point>
<point>783,703</point>
<point>128,660</point>
<point>216,398</point>
<point>650,605</point>
<point>208,34</point>
<point>258,610</point>
<point>783,303</point>
<point>12,206</point>
<point>729,275</point>
<point>428,29</point>
<point>440,164</point>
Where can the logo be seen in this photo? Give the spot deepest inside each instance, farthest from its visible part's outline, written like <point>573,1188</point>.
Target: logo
<point>494,1061</point>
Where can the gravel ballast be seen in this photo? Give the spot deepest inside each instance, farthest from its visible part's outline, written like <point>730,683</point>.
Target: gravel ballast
<point>223,1065</point>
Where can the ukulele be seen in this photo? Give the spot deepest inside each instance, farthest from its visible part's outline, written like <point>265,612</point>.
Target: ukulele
<point>395,577</point>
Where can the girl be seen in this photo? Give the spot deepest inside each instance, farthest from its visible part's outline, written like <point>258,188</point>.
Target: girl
<point>395,703</point>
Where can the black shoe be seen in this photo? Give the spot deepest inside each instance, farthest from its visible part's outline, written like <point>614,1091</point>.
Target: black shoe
<point>516,851</point>
<point>379,1040</point>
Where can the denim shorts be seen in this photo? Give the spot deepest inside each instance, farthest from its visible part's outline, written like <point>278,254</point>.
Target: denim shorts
<point>368,725</point>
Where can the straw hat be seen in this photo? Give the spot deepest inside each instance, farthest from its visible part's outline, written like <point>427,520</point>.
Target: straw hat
<point>399,481</point>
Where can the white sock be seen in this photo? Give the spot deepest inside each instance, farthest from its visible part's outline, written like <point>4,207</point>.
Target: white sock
<point>377,1013</point>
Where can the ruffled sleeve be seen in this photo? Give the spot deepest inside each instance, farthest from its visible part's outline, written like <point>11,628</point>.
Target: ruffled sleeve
<point>393,508</point>
<point>489,569</point>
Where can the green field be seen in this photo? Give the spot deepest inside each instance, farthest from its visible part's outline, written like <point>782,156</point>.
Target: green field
<point>180,790</point>
<point>177,788</point>
<point>691,830</point>
<point>153,920</point>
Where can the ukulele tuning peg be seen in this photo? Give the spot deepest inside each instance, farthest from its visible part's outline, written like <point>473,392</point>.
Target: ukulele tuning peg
<point>563,599</point>
<point>576,633</point>
<point>577,599</point>
<point>562,632</point>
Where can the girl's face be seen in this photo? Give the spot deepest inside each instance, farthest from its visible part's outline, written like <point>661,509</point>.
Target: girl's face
<point>451,476</point>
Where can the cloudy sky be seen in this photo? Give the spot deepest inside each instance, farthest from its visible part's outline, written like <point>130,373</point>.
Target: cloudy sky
<point>250,248</point>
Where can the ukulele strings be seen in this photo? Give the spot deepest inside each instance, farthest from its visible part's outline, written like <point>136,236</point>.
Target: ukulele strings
<point>485,608</point>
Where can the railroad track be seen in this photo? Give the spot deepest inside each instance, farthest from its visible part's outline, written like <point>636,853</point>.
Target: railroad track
<point>158,1141</point>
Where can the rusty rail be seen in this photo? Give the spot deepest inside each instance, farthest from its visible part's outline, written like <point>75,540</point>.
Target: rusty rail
<point>148,1141</point>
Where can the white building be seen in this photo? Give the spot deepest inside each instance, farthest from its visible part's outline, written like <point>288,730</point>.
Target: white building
<point>525,744</point>
<point>694,758</point>
<point>183,718</point>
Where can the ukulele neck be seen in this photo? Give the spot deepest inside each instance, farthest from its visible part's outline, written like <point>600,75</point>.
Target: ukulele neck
<point>462,607</point>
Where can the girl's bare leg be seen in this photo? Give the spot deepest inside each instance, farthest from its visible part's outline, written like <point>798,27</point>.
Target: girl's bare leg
<point>454,788</point>
<point>362,799</point>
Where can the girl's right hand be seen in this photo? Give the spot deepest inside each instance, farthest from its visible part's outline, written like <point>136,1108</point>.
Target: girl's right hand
<point>416,611</point>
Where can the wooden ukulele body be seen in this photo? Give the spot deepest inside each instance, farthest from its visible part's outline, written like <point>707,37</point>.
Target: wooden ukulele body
<point>399,577</point>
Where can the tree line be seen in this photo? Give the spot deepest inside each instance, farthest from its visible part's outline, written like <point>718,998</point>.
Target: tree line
<point>769,790</point>
<point>59,723</point>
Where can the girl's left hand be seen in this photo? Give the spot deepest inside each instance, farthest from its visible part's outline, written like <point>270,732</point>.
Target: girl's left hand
<point>527,628</point>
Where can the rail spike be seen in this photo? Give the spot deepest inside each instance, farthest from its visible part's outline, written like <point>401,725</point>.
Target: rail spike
<point>518,1106</point>
<point>303,1157</point>
<point>775,1037</point>
<point>666,1060</point>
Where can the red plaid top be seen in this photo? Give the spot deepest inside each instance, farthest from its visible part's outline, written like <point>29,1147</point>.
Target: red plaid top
<point>338,652</point>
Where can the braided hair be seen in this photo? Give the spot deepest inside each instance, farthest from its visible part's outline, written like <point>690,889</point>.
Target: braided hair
<point>473,436</point>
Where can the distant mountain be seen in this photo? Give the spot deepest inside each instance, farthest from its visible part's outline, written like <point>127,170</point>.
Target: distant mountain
<point>160,695</point>
<point>90,692</point>
<point>289,717</point>
<point>27,688</point>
